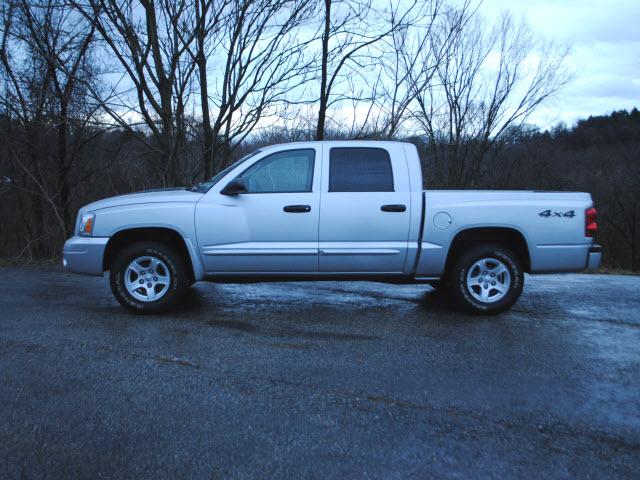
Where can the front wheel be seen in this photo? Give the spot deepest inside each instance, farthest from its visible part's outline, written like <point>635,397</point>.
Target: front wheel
<point>148,277</point>
<point>486,279</point>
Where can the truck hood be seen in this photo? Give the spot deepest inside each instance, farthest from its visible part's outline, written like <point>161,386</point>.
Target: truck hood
<point>170,195</point>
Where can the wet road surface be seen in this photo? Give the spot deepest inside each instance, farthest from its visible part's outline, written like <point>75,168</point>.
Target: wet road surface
<point>318,380</point>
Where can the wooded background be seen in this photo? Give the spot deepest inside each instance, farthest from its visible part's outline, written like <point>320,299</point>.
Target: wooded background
<point>101,97</point>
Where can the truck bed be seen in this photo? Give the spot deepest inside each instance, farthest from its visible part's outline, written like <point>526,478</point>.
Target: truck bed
<point>551,223</point>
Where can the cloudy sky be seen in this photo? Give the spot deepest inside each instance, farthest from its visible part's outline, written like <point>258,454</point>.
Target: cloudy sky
<point>605,54</point>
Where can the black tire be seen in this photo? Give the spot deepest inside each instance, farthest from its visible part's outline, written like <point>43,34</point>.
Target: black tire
<point>463,295</point>
<point>177,271</point>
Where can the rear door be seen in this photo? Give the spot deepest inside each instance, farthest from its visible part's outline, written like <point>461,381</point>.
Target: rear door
<point>364,209</point>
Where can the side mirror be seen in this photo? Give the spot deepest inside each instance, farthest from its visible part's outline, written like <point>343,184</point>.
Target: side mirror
<point>234,187</point>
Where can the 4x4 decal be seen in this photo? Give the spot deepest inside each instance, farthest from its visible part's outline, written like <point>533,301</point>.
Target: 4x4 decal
<point>549,213</point>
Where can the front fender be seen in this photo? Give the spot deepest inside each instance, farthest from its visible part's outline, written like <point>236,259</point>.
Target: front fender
<point>178,216</point>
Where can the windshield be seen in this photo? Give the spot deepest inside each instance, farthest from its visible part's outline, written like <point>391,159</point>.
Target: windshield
<point>206,185</point>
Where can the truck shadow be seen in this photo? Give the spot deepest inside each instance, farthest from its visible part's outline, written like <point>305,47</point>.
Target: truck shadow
<point>269,326</point>
<point>436,300</point>
<point>431,302</point>
<point>205,306</point>
<point>192,302</point>
<point>436,307</point>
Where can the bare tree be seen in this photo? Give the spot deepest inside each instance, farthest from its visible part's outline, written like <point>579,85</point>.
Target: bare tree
<point>490,80</point>
<point>348,31</point>
<point>210,16</point>
<point>44,57</point>
<point>262,60</point>
<point>409,63</point>
<point>149,40</point>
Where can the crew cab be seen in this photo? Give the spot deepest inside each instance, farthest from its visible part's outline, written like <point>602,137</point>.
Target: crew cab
<point>339,210</point>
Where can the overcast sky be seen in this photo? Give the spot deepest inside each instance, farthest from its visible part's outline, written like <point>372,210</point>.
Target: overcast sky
<point>605,54</point>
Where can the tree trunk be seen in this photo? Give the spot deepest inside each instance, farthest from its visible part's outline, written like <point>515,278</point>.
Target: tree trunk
<point>207,153</point>
<point>63,169</point>
<point>324,100</point>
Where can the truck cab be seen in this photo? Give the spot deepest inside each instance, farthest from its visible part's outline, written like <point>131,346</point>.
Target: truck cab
<point>310,209</point>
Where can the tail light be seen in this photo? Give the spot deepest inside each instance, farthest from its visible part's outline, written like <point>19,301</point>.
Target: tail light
<point>591,227</point>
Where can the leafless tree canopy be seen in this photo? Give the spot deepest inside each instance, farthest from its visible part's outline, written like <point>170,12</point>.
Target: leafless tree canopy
<point>107,96</point>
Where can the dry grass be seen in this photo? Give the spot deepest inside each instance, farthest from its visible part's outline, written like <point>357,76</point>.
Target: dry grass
<point>614,271</point>
<point>13,262</point>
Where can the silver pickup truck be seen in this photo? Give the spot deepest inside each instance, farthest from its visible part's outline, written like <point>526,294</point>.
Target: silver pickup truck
<point>348,210</point>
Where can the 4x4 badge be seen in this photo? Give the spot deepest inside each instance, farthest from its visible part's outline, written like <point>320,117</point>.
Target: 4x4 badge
<point>549,213</point>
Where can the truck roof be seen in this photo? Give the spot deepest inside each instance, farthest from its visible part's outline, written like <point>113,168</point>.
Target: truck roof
<point>351,143</point>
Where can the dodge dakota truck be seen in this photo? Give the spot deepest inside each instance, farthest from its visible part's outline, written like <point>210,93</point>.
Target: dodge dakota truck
<point>333,210</point>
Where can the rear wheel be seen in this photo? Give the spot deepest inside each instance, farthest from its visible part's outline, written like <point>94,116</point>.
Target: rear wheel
<point>486,279</point>
<point>148,277</point>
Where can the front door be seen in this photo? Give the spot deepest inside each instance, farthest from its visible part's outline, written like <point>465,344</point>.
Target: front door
<point>365,210</point>
<point>273,227</point>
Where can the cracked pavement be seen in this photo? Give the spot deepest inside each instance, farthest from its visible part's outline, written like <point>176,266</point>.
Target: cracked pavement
<point>317,380</point>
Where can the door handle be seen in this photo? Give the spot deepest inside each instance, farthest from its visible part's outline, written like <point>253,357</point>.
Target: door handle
<point>393,208</point>
<point>297,208</point>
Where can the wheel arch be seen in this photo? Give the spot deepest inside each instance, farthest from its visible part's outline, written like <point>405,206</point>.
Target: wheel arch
<point>507,236</point>
<point>165,235</point>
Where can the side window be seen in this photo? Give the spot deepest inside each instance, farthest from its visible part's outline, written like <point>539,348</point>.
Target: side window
<point>289,171</point>
<point>360,170</point>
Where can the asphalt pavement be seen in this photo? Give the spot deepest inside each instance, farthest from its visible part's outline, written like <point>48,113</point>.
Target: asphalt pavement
<point>318,380</point>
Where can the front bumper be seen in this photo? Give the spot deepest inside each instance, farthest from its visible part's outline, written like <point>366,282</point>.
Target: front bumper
<point>594,257</point>
<point>84,254</point>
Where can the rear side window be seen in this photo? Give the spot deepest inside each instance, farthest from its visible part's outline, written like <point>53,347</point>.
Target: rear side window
<point>360,170</point>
